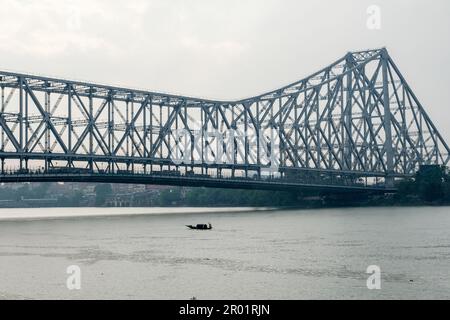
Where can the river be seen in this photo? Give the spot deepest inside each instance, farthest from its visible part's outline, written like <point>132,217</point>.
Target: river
<point>148,253</point>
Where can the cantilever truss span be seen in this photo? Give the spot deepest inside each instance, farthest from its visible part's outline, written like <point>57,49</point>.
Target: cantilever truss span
<point>355,120</point>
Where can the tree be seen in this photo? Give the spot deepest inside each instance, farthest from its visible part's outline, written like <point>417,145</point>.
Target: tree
<point>101,192</point>
<point>169,196</point>
<point>429,182</point>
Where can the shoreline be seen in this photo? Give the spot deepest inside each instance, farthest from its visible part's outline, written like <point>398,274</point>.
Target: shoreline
<point>52,214</point>
<point>14,214</point>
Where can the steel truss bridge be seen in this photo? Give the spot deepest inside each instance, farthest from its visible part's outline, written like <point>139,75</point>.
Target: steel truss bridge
<point>355,125</point>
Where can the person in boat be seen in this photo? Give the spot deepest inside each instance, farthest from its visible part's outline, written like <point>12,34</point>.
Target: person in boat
<point>200,226</point>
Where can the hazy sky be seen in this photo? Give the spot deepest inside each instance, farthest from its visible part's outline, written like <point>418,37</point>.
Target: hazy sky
<point>224,49</point>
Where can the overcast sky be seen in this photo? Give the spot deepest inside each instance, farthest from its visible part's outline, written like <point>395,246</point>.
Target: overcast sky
<point>224,49</point>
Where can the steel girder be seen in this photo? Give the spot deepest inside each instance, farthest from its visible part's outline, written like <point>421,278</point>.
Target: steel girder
<point>358,116</point>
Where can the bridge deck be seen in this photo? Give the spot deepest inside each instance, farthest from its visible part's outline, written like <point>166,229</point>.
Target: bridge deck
<point>213,182</point>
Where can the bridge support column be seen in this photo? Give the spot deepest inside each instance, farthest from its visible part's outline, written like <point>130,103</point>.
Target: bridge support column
<point>389,179</point>
<point>348,116</point>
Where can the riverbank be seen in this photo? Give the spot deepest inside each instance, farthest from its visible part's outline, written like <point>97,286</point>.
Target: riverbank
<point>21,214</point>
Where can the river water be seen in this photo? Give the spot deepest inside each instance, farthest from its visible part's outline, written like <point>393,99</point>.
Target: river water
<point>148,253</point>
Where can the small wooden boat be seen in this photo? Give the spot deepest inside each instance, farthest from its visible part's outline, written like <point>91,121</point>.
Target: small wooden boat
<point>200,226</point>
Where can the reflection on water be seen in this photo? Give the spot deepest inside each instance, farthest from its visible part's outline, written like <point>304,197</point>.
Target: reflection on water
<point>295,254</point>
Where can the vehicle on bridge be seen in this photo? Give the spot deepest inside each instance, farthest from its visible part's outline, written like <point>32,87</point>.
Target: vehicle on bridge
<point>68,170</point>
<point>169,173</point>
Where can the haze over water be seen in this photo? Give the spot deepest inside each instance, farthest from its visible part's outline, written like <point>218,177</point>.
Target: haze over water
<point>290,254</point>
